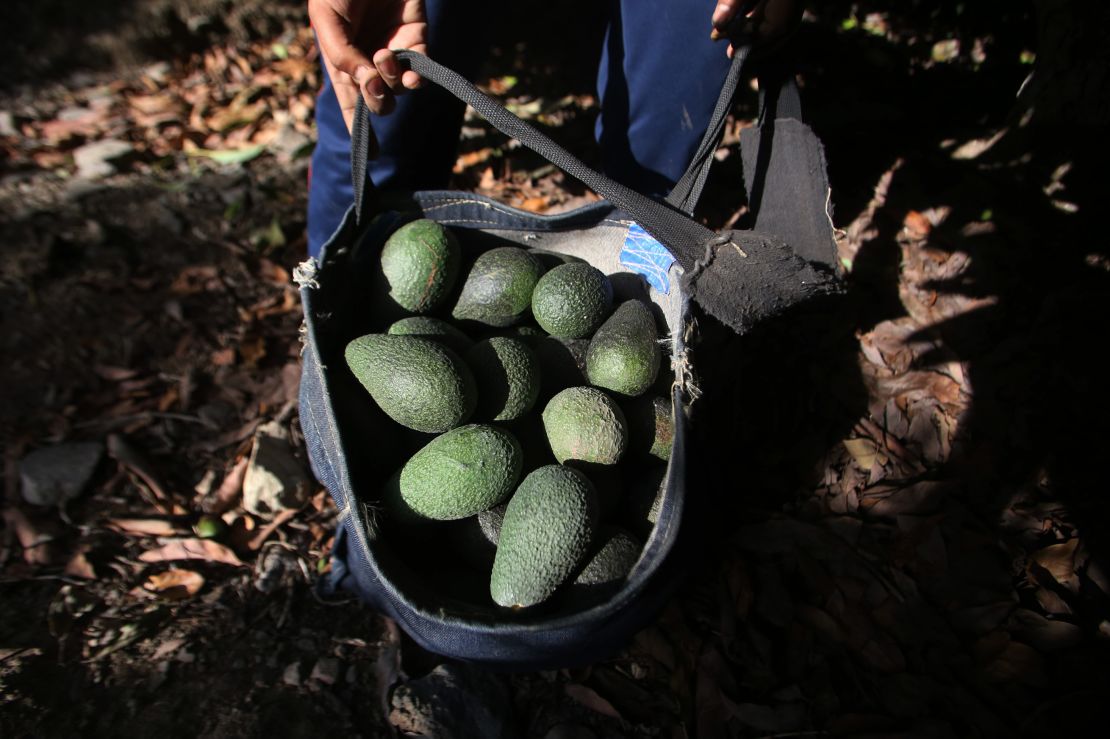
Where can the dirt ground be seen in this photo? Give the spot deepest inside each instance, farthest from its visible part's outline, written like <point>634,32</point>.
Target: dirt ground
<point>913,527</point>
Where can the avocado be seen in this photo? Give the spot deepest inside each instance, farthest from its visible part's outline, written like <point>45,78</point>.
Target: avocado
<point>395,507</point>
<point>572,300</point>
<point>474,539</point>
<point>417,382</point>
<point>548,527</point>
<point>508,377</point>
<point>583,424</point>
<point>563,362</point>
<point>490,522</point>
<point>427,327</point>
<point>464,471</point>
<point>498,290</point>
<point>624,353</point>
<point>650,426</point>
<point>614,554</point>
<point>420,261</point>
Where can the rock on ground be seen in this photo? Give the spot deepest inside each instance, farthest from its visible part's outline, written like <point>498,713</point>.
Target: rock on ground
<point>55,474</point>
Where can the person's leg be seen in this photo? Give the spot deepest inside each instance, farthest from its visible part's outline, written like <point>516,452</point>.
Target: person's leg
<point>417,142</point>
<point>658,82</point>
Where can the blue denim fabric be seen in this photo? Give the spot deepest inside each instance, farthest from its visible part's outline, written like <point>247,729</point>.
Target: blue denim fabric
<point>658,81</point>
<point>362,562</point>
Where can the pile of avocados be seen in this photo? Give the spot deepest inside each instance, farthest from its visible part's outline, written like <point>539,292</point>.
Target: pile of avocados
<point>543,420</point>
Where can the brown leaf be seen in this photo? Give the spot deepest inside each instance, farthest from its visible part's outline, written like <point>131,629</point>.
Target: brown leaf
<point>79,566</point>
<point>865,452</point>
<point>916,225</point>
<point>175,584</point>
<point>1059,560</point>
<point>590,699</point>
<point>225,497</point>
<point>273,272</point>
<point>196,278</point>
<point>222,357</point>
<point>203,549</point>
<point>144,526</point>
<point>114,374</point>
<point>535,205</point>
<point>472,158</point>
<point>252,350</point>
<point>137,465</point>
<point>264,533</point>
<point>37,537</point>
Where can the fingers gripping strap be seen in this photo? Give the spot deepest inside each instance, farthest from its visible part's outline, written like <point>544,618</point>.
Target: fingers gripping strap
<point>684,237</point>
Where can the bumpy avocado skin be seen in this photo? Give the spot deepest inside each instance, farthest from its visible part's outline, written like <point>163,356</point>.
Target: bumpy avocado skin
<point>624,353</point>
<point>584,425</point>
<point>612,557</point>
<point>419,383</point>
<point>426,327</point>
<point>461,473</point>
<point>572,300</point>
<point>420,261</point>
<point>498,289</point>
<point>650,426</point>
<point>547,530</point>
<point>507,374</point>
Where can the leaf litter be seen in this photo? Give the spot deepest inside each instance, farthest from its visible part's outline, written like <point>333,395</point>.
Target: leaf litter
<point>882,595</point>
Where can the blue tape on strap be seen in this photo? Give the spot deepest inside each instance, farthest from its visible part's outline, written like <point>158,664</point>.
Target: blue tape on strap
<point>644,255</point>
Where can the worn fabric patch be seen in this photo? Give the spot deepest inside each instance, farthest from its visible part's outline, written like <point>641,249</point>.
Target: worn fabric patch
<point>644,255</point>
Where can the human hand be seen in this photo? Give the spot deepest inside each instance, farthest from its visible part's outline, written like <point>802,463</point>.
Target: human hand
<point>355,38</point>
<point>768,22</point>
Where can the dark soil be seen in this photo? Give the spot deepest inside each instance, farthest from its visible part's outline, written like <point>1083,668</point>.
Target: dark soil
<point>906,482</point>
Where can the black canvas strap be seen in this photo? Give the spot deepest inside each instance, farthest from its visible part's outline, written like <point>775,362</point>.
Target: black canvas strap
<point>684,237</point>
<point>687,190</point>
<point>742,278</point>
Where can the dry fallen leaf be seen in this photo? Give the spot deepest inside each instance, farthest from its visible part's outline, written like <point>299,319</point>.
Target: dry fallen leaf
<point>79,566</point>
<point>204,549</point>
<point>175,584</point>
<point>144,526</point>
<point>865,452</point>
<point>916,225</point>
<point>225,497</point>
<point>1059,560</point>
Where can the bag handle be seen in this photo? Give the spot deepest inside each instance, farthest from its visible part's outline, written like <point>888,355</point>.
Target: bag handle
<point>687,190</point>
<point>684,237</point>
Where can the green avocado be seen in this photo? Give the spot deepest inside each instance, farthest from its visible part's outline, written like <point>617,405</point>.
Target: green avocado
<point>612,557</point>
<point>572,300</point>
<point>498,289</point>
<point>419,383</point>
<point>547,530</point>
<point>427,327</point>
<point>583,424</point>
<point>508,377</point>
<point>420,261</point>
<point>624,353</point>
<point>650,426</point>
<point>464,471</point>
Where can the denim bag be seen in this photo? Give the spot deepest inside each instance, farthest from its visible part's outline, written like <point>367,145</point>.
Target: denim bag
<point>652,250</point>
